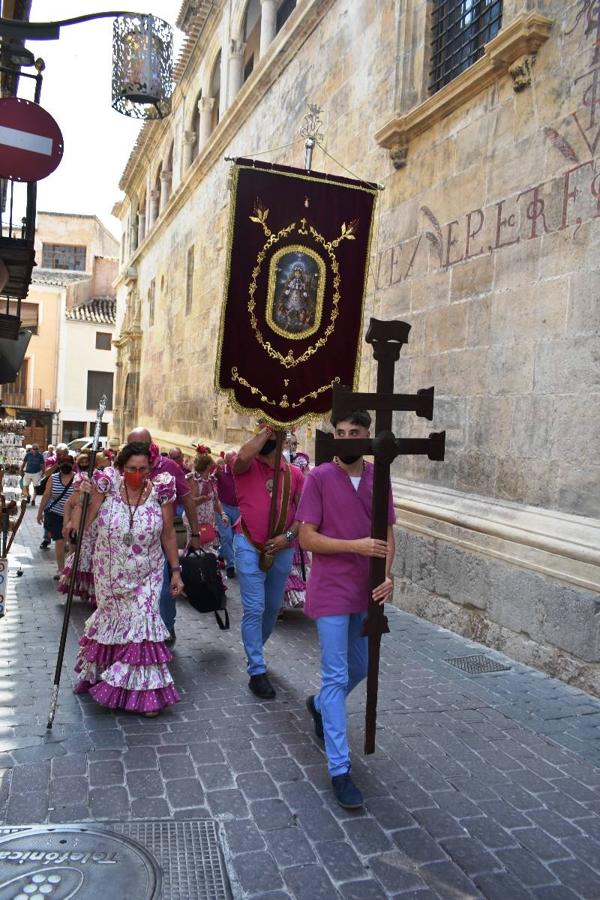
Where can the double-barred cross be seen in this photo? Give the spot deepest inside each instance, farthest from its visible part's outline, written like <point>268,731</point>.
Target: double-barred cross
<point>387,340</point>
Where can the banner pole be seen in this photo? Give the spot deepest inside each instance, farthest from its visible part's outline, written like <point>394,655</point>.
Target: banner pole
<point>69,603</point>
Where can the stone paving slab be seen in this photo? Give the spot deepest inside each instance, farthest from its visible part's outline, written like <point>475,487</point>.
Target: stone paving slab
<point>481,786</point>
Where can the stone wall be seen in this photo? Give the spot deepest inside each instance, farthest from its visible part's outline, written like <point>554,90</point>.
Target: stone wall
<point>487,243</point>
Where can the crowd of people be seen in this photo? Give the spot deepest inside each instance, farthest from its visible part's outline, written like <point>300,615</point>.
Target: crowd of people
<point>309,549</point>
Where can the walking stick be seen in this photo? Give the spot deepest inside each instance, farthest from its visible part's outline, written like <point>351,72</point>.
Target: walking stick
<point>69,603</point>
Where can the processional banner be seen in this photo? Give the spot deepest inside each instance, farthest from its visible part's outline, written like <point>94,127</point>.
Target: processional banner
<point>296,274</point>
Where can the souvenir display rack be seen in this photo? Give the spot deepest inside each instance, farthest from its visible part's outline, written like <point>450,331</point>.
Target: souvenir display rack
<point>11,456</point>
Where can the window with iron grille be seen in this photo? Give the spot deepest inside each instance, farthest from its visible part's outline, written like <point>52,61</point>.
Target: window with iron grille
<point>63,256</point>
<point>459,30</point>
<point>189,281</point>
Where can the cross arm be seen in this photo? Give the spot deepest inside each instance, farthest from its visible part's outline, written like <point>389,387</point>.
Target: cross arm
<point>385,447</point>
<point>345,401</point>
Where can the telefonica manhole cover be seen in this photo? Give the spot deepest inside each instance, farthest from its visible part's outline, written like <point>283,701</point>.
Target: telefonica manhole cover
<point>82,861</point>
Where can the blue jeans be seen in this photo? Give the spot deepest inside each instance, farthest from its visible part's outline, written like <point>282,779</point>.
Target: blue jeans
<point>262,597</point>
<point>226,532</point>
<point>167,602</point>
<point>344,660</point>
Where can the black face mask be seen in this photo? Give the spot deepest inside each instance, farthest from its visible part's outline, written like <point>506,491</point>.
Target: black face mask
<point>348,460</point>
<point>66,468</point>
<point>268,447</point>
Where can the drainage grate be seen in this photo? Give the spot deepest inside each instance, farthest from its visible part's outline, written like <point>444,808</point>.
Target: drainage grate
<point>188,853</point>
<point>477,665</point>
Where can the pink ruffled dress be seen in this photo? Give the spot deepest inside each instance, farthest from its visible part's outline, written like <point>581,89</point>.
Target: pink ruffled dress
<point>122,660</point>
<point>84,579</point>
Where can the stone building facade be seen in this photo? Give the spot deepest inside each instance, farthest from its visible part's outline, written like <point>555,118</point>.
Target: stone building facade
<point>487,243</point>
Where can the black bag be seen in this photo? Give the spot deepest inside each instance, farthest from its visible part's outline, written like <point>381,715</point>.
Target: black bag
<point>40,487</point>
<point>203,585</point>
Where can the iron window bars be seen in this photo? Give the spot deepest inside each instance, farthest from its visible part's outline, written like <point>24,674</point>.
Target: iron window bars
<point>460,29</point>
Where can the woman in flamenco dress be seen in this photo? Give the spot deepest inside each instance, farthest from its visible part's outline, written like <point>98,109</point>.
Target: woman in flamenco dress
<point>122,661</point>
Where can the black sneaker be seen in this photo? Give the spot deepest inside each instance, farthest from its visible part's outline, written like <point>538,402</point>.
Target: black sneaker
<point>261,686</point>
<point>317,718</point>
<point>230,572</point>
<point>45,544</point>
<point>346,792</point>
<point>172,637</point>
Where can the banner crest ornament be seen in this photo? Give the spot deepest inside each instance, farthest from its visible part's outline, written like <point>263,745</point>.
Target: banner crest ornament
<point>296,274</point>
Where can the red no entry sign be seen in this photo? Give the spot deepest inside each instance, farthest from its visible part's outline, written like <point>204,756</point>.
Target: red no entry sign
<point>31,143</point>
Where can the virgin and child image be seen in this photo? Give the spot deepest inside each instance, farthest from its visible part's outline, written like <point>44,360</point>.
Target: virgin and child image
<point>294,308</point>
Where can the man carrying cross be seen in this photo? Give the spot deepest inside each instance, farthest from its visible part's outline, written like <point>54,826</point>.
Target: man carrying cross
<point>335,521</point>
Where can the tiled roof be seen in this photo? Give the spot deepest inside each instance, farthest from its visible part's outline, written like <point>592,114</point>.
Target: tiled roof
<point>58,276</point>
<point>101,310</point>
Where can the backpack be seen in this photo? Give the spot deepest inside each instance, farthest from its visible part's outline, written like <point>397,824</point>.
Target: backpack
<point>204,586</point>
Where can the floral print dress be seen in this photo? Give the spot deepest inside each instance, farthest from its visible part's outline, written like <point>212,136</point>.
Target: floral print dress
<point>122,660</point>
<point>84,578</point>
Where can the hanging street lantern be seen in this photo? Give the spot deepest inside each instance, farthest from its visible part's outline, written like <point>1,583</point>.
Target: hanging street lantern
<point>142,66</point>
<point>142,76</point>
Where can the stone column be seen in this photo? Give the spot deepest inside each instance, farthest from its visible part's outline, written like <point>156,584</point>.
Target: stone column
<point>141,216</point>
<point>236,69</point>
<point>205,108</point>
<point>268,24</point>
<point>165,189</point>
<point>189,138</point>
<point>154,200</point>
<point>133,233</point>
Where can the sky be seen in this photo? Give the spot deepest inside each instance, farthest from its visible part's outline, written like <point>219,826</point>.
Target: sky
<point>77,93</point>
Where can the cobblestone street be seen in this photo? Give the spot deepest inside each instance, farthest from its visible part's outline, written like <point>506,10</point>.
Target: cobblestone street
<point>482,786</point>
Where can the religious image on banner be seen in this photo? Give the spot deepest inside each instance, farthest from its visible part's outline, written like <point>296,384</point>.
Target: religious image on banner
<point>296,273</point>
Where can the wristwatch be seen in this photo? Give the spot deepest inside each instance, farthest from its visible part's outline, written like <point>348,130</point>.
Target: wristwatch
<point>291,537</point>
<point>175,569</point>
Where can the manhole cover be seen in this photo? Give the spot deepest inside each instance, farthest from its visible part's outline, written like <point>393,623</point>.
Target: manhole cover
<point>80,861</point>
<point>477,665</point>
<point>189,855</point>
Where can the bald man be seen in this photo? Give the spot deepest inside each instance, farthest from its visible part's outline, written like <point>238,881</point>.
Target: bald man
<point>184,498</point>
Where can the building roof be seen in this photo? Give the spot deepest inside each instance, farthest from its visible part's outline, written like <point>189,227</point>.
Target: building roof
<point>60,277</point>
<point>100,310</point>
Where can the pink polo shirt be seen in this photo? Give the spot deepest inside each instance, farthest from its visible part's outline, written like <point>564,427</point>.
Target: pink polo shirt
<point>338,583</point>
<point>253,489</point>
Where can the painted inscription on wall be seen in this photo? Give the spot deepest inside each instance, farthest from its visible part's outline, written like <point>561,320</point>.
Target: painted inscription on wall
<point>563,203</point>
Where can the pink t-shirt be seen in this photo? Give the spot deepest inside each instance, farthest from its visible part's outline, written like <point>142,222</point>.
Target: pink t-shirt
<point>253,489</point>
<point>339,582</point>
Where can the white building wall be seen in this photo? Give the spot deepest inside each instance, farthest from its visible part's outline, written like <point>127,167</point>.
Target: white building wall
<point>78,355</point>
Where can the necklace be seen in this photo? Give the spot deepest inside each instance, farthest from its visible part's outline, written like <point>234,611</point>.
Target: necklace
<point>128,537</point>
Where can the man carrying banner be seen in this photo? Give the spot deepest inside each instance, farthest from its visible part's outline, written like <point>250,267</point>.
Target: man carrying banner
<point>263,563</point>
<point>335,521</point>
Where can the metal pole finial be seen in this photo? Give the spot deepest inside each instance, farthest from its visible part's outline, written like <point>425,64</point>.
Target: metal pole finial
<point>311,132</point>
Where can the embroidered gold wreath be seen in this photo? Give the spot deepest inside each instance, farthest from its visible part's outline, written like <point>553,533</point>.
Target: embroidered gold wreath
<point>346,233</point>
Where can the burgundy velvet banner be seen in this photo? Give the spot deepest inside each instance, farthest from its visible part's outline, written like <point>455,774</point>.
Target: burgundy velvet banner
<point>297,263</point>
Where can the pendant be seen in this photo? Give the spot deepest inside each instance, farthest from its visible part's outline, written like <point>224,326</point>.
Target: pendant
<point>128,539</point>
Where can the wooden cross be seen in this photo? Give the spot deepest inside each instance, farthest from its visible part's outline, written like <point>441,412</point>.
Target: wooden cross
<point>387,339</point>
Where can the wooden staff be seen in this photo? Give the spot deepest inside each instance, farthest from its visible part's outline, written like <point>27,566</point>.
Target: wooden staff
<point>69,603</point>
<point>274,495</point>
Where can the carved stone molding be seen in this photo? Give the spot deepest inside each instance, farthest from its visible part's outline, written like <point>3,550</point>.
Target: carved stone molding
<point>551,543</point>
<point>519,41</point>
<point>521,72</point>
